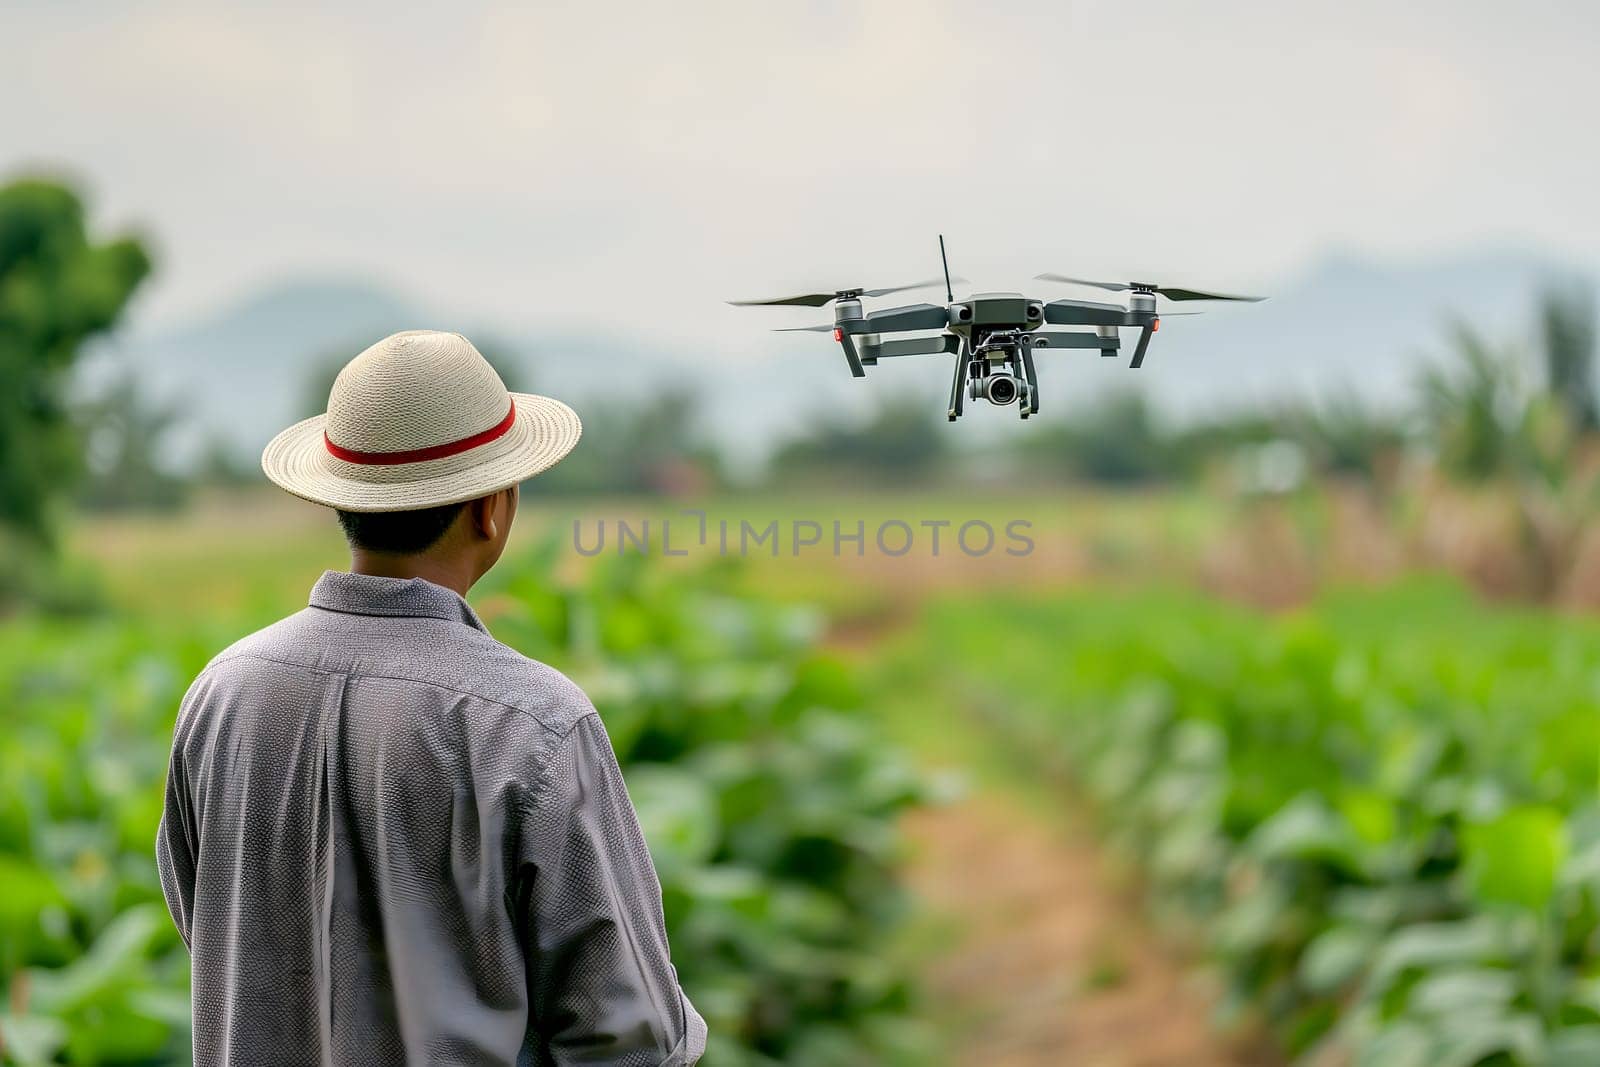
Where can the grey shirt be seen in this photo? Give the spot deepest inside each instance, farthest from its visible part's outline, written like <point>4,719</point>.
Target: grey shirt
<point>389,838</point>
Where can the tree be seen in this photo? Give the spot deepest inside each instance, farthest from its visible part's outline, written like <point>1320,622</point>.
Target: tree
<point>1567,331</point>
<point>904,441</point>
<point>1119,439</point>
<point>1487,425</point>
<point>123,435</point>
<point>1345,436</point>
<point>652,445</point>
<point>59,287</point>
<point>1475,410</point>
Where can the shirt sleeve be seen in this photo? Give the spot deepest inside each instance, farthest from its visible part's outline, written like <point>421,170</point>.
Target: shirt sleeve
<point>175,851</point>
<point>601,983</point>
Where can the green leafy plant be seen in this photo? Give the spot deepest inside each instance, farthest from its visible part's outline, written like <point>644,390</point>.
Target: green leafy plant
<point>766,798</point>
<point>768,802</point>
<point>1378,815</point>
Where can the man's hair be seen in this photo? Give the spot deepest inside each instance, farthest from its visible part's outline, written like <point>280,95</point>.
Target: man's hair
<point>400,532</point>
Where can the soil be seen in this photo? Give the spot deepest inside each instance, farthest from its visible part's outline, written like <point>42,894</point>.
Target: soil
<point>1046,960</point>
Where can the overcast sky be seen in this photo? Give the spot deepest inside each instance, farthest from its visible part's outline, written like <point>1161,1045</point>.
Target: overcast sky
<point>545,163</point>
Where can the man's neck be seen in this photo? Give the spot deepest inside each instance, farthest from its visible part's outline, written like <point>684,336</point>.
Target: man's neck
<point>457,574</point>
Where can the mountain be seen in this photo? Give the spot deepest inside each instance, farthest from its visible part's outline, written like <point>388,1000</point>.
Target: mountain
<point>240,373</point>
<point>246,370</point>
<point>1347,323</point>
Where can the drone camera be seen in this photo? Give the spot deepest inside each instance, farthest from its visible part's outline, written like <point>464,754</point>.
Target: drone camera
<point>997,389</point>
<point>1035,312</point>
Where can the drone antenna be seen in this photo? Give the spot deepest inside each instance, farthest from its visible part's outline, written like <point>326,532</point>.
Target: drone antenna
<point>949,296</point>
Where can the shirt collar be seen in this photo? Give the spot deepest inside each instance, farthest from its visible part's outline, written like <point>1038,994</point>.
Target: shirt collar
<point>368,594</point>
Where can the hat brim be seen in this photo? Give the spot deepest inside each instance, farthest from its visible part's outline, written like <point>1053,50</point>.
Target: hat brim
<point>541,435</point>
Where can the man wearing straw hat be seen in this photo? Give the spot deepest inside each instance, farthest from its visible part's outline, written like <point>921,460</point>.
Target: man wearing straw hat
<point>389,838</point>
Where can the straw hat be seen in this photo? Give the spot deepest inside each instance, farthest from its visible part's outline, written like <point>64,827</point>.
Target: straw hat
<point>418,420</point>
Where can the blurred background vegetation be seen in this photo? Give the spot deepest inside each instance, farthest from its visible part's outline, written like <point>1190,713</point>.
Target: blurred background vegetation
<point>1312,679</point>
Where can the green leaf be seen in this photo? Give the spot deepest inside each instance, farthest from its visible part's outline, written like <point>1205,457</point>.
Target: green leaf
<point>1460,991</point>
<point>677,812</point>
<point>1466,1040</point>
<point>31,1040</point>
<point>169,1006</point>
<point>1402,1044</point>
<point>112,959</point>
<point>1427,946</point>
<point>28,891</point>
<point>1575,1046</point>
<point>1516,858</point>
<point>1369,813</point>
<point>1307,829</point>
<point>1337,957</point>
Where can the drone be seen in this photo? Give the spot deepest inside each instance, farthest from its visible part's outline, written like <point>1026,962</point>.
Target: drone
<point>992,335</point>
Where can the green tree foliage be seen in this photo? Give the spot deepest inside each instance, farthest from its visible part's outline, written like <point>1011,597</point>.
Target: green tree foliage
<point>59,287</point>
<point>1119,440</point>
<point>1474,409</point>
<point>1483,419</point>
<point>224,465</point>
<point>903,442</point>
<point>649,447</point>
<point>1567,333</point>
<point>123,435</point>
<point>1345,437</point>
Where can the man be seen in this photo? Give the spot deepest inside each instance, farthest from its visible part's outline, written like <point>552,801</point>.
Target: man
<point>389,838</point>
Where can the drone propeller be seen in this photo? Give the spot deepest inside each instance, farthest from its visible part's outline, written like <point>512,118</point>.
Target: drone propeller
<point>828,327</point>
<point>1170,292</point>
<point>816,300</point>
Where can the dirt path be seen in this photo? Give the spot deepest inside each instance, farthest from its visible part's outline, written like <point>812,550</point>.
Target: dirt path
<point>1047,961</point>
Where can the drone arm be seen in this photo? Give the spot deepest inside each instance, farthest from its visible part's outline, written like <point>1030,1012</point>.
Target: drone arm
<point>1066,339</point>
<point>911,317</point>
<point>911,346</point>
<point>1087,313</point>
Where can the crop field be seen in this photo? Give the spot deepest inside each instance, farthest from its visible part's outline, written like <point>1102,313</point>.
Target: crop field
<point>770,810</point>
<point>1375,817</point>
<point>250,553</point>
<point>1370,823</point>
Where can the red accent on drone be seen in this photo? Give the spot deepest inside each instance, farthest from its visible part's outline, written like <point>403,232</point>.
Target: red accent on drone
<point>1155,325</point>
<point>838,334</point>
<point>417,455</point>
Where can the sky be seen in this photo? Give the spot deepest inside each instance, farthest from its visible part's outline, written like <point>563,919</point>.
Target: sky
<point>634,165</point>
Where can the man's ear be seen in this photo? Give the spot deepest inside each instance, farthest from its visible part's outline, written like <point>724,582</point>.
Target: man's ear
<point>480,516</point>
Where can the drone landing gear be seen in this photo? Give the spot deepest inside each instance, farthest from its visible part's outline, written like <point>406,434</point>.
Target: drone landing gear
<point>1144,344</point>
<point>1029,402</point>
<point>958,386</point>
<point>972,378</point>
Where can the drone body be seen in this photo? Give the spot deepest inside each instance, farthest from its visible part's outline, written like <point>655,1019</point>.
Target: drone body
<point>993,336</point>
